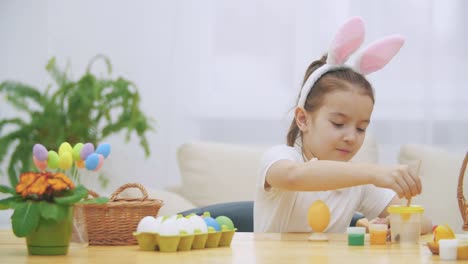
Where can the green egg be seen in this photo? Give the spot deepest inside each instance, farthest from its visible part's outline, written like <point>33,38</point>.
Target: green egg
<point>53,159</point>
<point>225,221</point>
<point>76,151</point>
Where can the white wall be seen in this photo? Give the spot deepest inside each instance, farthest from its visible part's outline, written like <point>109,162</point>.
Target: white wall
<point>230,70</point>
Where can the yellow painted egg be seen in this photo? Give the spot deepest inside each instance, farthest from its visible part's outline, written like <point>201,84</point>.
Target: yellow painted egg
<point>318,216</point>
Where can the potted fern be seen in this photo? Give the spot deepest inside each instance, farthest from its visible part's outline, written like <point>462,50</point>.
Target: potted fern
<point>87,110</point>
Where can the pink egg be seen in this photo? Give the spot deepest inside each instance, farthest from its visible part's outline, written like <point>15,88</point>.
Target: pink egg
<point>41,165</point>
<point>101,161</point>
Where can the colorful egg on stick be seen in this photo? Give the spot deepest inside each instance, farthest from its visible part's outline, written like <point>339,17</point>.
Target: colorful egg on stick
<point>92,161</point>
<point>80,164</point>
<point>53,159</point>
<point>40,152</point>
<point>65,147</point>
<point>41,165</point>
<point>77,151</point>
<point>65,160</point>
<point>101,161</point>
<point>103,149</point>
<point>87,150</point>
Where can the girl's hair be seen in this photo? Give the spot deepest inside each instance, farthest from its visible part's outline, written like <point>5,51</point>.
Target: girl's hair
<point>343,79</point>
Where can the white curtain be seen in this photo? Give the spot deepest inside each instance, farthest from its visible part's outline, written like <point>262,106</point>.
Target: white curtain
<point>253,55</point>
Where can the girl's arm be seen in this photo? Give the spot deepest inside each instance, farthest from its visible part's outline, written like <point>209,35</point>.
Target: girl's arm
<point>322,175</point>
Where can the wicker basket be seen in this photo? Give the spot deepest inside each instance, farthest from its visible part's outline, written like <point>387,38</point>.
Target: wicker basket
<point>461,198</point>
<point>113,223</point>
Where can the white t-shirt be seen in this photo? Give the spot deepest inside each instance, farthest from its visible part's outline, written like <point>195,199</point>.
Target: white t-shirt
<point>277,210</point>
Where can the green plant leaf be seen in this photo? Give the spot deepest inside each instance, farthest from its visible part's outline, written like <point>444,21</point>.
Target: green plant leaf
<point>97,200</point>
<point>74,196</point>
<point>15,201</point>
<point>59,77</point>
<point>53,211</point>
<point>10,202</point>
<point>25,218</point>
<point>7,189</point>
<point>87,109</point>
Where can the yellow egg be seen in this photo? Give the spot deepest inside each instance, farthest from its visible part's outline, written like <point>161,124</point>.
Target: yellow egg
<point>318,216</point>
<point>443,232</point>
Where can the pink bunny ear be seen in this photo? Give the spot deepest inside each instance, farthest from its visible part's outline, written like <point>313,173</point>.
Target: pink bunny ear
<point>347,40</point>
<point>378,54</point>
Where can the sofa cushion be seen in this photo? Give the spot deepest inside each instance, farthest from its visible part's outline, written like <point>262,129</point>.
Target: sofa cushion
<point>218,172</point>
<point>214,173</point>
<point>439,177</point>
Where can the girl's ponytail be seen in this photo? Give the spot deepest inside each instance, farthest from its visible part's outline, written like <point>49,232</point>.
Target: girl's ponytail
<point>293,132</point>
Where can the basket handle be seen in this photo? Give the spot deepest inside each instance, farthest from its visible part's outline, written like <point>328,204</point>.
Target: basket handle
<point>93,194</point>
<point>129,185</point>
<point>460,196</point>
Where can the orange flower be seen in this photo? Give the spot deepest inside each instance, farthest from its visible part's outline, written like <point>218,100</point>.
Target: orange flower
<point>26,179</point>
<point>43,182</point>
<point>60,181</point>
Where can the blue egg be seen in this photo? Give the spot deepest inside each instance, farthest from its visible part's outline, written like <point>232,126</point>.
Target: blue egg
<point>212,222</point>
<point>92,161</point>
<point>103,149</point>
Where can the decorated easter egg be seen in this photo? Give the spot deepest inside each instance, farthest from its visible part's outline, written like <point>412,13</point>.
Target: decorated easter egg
<point>318,216</point>
<point>211,222</point>
<point>65,159</point>
<point>225,222</point>
<point>185,226</point>
<point>41,165</point>
<point>101,161</point>
<point>147,224</point>
<point>92,161</point>
<point>77,151</point>
<point>103,149</point>
<point>65,147</point>
<point>86,150</point>
<point>169,227</point>
<point>40,152</point>
<point>199,225</point>
<point>53,159</point>
<point>443,232</point>
<point>80,164</point>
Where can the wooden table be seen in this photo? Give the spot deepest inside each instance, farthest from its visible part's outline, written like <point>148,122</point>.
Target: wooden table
<point>245,248</point>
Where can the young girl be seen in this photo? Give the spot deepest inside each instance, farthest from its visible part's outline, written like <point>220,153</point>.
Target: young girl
<point>333,112</point>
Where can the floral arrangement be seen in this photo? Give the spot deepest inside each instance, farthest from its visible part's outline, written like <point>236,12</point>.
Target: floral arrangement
<point>49,194</point>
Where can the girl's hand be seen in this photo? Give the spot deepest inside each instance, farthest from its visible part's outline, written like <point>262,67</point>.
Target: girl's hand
<point>399,178</point>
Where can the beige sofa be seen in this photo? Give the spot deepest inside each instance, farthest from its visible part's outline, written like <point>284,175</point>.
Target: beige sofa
<point>217,172</point>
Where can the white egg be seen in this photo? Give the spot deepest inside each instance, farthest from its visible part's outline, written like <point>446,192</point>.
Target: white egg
<point>159,220</point>
<point>147,225</point>
<point>169,227</point>
<point>198,223</point>
<point>172,217</point>
<point>185,225</point>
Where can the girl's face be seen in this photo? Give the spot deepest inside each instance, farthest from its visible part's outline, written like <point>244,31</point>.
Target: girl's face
<point>336,130</point>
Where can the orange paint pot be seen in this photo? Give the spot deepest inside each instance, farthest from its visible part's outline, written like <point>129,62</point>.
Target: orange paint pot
<point>462,249</point>
<point>378,234</point>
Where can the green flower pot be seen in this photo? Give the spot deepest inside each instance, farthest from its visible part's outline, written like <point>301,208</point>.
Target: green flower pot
<point>51,237</point>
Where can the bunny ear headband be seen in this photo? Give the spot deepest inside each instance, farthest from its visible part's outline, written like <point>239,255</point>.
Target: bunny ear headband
<point>347,40</point>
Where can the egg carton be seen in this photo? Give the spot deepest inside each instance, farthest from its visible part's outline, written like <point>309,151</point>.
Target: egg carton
<point>156,242</point>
